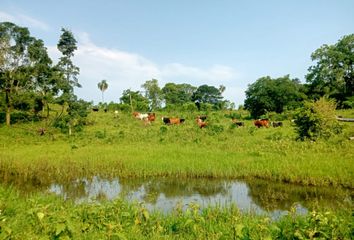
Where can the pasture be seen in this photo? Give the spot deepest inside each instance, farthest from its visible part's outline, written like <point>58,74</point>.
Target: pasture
<point>121,146</point>
<point>126,147</point>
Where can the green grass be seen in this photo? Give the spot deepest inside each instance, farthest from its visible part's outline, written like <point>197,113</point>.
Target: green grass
<point>125,147</point>
<point>48,217</point>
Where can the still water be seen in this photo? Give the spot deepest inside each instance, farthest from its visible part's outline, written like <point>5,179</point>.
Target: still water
<point>164,194</point>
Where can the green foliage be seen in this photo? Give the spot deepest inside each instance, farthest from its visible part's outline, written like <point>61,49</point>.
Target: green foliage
<point>273,95</point>
<point>153,93</point>
<point>135,100</point>
<point>41,217</point>
<point>21,57</point>
<point>103,85</point>
<point>317,120</point>
<point>75,118</point>
<point>177,94</point>
<point>208,94</point>
<point>333,73</point>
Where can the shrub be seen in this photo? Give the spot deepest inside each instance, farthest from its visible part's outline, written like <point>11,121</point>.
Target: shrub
<point>317,120</point>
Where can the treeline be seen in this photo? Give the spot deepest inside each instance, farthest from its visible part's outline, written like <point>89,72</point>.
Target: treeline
<point>331,76</point>
<point>30,81</point>
<point>174,97</point>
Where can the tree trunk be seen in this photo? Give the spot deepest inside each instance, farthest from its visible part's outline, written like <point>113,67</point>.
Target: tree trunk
<point>8,116</point>
<point>70,131</point>
<point>8,107</point>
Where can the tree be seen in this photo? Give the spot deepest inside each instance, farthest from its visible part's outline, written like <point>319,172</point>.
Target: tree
<point>208,94</point>
<point>333,73</point>
<point>20,54</point>
<point>103,85</point>
<point>135,99</point>
<point>67,46</point>
<point>177,94</point>
<point>153,93</point>
<point>273,95</point>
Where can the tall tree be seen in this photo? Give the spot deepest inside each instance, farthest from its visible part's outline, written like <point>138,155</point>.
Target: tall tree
<point>67,46</point>
<point>103,85</point>
<point>20,53</point>
<point>333,73</point>
<point>177,94</point>
<point>207,94</point>
<point>268,95</point>
<point>135,99</point>
<point>153,93</point>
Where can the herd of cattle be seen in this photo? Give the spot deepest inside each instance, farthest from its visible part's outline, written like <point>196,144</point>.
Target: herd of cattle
<point>201,120</point>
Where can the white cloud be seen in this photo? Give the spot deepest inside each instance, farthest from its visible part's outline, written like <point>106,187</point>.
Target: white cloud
<point>23,20</point>
<point>124,70</point>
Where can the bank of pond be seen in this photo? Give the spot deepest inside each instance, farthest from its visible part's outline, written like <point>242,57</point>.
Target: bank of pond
<point>171,208</point>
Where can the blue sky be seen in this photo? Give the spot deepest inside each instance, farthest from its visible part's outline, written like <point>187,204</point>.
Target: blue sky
<point>230,43</point>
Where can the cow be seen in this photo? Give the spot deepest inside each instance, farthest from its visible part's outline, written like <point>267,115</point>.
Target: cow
<point>277,124</point>
<point>95,109</point>
<point>261,123</point>
<point>202,117</point>
<point>141,116</point>
<point>201,121</point>
<point>151,117</point>
<point>237,123</point>
<point>170,121</point>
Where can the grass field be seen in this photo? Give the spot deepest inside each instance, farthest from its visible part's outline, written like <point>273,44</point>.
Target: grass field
<point>125,147</point>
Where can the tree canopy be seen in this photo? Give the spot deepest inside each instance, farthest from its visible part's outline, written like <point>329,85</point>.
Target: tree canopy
<point>23,63</point>
<point>333,72</point>
<point>208,94</point>
<point>153,93</point>
<point>177,94</point>
<point>103,85</point>
<point>273,95</point>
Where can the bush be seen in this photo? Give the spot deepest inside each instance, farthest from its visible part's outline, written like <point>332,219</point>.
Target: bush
<point>317,120</point>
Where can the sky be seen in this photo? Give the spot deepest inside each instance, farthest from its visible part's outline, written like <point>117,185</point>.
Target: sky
<point>224,42</point>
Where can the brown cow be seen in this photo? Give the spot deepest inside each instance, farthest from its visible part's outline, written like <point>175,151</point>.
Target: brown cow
<point>175,121</point>
<point>261,123</point>
<point>201,121</point>
<point>151,117</point>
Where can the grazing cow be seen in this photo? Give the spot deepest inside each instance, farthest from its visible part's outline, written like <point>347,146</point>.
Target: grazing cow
<point>171,121</point>
<point>201,121</point>
<point>202,117</point>
<point>237,123</point>
<point>95,109</point>
<point>261,123</point>
<point>277,124</point>
<point>151,117</point>
<point>141,116</point>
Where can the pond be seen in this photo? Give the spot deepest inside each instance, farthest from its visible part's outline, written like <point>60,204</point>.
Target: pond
<point>164,194</point>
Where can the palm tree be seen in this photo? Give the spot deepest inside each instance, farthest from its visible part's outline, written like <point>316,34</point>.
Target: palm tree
<point>103,85</point>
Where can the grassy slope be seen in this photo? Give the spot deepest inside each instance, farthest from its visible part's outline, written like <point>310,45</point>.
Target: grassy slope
<point>126,147</point>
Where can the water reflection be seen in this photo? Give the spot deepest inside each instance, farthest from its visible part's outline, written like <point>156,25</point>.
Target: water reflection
<point>164,194</point>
